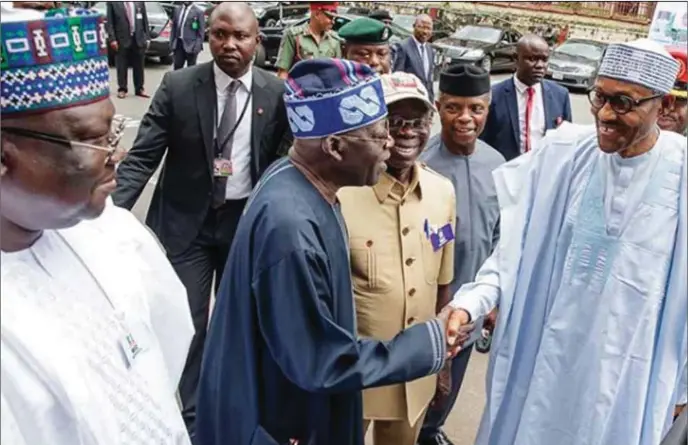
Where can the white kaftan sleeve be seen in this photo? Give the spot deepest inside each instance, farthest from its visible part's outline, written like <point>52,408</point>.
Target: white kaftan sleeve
<point>481,296</point>
<point>682,388</point>
<point>10,433</point>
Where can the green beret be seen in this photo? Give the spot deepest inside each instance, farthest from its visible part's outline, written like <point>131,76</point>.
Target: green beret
<point>365,31</point>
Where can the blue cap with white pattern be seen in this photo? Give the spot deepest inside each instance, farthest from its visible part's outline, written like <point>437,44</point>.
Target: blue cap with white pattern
<point>52,60</point>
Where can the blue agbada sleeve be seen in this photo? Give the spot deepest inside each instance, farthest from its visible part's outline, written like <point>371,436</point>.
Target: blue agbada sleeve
<point>314,352</point>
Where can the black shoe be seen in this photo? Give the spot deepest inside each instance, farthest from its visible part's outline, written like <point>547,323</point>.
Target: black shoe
<point>439,439</point>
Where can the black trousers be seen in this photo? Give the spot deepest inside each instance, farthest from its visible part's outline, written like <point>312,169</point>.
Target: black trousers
<point>131,56</point>
<point>437,414</point>
<point>202,262</point>
<point>181,57</point>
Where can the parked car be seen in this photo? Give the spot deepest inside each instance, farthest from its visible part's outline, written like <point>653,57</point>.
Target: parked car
<point>440,29</point>
<point>160,28</point>
<point>268,49</point>
<point>575,63</point>
<point>494,49</point>
<point>275,13</point>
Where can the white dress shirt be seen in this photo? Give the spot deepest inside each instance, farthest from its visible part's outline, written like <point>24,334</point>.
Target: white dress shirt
<point>537,116</point>
<point>239,185</point>
<point>423,50</point>
<point>131,12</point>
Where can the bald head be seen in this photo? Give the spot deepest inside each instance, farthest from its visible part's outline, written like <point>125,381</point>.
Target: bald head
<point>233,9</point>
<point>233,37</point>
<point>530,41</point>
<point>422,28</point>
<point>532,58</point>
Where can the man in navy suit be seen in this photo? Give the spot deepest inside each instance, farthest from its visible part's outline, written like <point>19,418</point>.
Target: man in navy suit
<point>188,32</point>
<point>526,106</point>
<point>415,55</point>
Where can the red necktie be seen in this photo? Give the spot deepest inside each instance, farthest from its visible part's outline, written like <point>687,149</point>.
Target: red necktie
<point>529,113</point>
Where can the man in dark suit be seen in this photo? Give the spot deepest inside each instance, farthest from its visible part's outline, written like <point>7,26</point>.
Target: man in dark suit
<point>188,32</point>
<point>524,107</point>
<point>129,35</point>
<point>415,55</point>
<point>220,125</point>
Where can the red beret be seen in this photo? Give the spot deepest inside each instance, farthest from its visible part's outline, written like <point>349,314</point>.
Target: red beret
<point>681,57</point>
<point>324,6</point>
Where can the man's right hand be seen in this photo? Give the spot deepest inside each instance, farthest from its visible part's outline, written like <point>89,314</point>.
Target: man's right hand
<point>458,328</point>
<point>114,45</point>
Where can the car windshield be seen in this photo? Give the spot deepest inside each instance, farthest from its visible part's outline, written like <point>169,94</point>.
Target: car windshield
<point>478,34</point>
<point>581,49</point>
<point>404,21</point>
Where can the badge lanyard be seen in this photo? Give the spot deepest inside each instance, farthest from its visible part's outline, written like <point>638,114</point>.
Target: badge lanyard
<point>218,146</point>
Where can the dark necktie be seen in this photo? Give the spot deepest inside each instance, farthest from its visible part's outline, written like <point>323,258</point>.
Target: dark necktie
<point>225,136</point>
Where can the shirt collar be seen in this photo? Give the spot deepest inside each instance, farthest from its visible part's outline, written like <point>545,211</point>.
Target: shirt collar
<point>388,186</point>
<point>222,80</point>
<point>522,87</point>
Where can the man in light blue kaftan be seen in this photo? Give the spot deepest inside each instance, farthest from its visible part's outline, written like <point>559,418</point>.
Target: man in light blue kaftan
<point>590,272</point>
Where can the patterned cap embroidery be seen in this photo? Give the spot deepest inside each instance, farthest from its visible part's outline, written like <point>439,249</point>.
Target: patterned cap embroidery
<point>54,63</point>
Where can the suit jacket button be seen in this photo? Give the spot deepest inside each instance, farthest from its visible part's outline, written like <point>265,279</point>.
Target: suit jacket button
<point>410,321</point>
<point>410,261</point>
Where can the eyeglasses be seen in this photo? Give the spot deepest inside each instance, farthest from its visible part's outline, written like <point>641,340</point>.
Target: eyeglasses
<point>113,139</point>
<point>620,103</point>
<point>422,124</point>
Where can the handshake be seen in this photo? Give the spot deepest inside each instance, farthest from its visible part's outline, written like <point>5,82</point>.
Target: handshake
<point>457,328</point>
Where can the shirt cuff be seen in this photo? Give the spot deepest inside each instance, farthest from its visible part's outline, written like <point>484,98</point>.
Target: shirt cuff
<point>439,344</point>
<point>468,304</point>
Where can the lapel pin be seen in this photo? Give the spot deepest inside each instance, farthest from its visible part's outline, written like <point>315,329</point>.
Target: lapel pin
<point>260,111</point>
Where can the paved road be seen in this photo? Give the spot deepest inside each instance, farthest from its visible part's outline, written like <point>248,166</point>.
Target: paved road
<point>463,423</point>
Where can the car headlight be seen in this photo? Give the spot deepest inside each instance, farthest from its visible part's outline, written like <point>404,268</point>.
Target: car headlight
<point>474,54</point>
<point>586,70</point>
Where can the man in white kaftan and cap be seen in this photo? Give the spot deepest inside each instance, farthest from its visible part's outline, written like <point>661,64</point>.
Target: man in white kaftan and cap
<point>590,277</point>
<point>95,326</point>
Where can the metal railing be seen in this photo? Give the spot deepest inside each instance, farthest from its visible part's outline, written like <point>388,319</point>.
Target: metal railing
<point>634,12</point>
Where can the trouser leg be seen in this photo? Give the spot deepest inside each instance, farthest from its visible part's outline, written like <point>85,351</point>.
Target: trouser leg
<point>438,413</point>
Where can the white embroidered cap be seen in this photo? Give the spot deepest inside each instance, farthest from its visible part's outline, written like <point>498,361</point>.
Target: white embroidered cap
<point>642,62</point>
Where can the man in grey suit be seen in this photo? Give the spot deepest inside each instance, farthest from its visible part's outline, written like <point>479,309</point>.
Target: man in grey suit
<point>188,31</point>
<point>218,126</point>
<point>129,34</point>
<point>415,55</point>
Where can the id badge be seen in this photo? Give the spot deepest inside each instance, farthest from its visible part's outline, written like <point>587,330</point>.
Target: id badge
<point>441,237</point>
<point>222,168</point>
<point>132,341</point>
<point>194,25</point>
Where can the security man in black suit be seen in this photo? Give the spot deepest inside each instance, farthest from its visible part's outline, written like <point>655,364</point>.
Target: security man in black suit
<point>220,125</point>
<point>129,35</point>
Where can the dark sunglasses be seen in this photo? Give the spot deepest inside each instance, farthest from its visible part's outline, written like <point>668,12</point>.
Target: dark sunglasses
<point>620,103</point>
<point>111,149</point>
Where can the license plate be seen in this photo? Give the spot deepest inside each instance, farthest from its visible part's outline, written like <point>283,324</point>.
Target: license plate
<point>557,76</point>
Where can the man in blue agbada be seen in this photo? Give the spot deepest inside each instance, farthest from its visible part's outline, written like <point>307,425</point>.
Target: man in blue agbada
<point>282,362</point>
<point>590,272</point>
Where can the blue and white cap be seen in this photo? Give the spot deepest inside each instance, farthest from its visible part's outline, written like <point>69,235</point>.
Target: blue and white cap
<point>331,96</point>
<point>642,62</point>
<point>51,60</point>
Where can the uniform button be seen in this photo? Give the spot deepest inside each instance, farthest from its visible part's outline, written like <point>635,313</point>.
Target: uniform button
<point>410,261</point>
<point>405,231</point>
<point>403,201</point>
<point>410,321</point>
<point>369,243</point>
<point>412,292</point>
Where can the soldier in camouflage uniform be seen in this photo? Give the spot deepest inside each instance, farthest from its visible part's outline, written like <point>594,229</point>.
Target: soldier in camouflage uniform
<point>313,40</point>
<point>674,114</point>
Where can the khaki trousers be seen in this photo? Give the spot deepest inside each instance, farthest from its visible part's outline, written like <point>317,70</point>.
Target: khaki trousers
<point>394,432</point>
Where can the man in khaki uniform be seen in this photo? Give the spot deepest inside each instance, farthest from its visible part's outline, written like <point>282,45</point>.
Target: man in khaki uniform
<point>367,41</point>
<point>313,40</point>
<point>401,237</point>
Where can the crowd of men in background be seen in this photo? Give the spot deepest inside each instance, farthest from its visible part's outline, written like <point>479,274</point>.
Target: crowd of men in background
<point>354,259</point>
